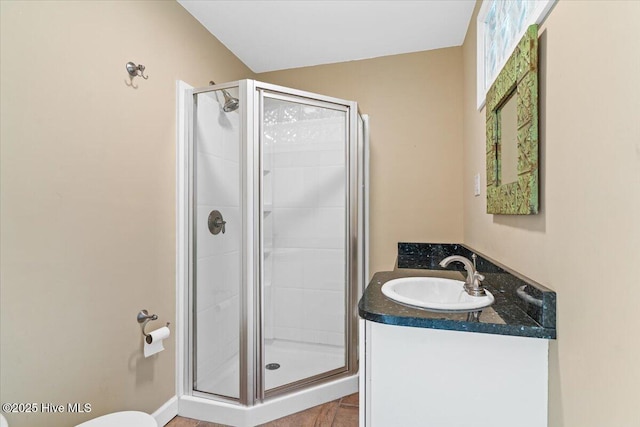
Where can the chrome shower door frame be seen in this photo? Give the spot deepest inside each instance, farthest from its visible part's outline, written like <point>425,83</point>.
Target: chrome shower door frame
<point>246,174</point>
<point>352,264</point>
<point>251,357</point>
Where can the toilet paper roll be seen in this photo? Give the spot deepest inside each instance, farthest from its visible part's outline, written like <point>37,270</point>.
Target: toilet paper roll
<point>153,342</point>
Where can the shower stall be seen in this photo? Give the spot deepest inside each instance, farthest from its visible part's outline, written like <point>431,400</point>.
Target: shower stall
<point>274,250</point>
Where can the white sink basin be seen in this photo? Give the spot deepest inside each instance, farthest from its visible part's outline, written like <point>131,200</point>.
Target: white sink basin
<point>434,293</point>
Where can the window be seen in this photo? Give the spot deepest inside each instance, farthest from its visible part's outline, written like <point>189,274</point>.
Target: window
<point>501,24</point>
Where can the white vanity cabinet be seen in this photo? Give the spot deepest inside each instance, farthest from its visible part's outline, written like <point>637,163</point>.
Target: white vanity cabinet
<point>422,377</point>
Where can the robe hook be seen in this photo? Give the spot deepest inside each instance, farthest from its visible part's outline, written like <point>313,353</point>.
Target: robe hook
<point>136,70</point>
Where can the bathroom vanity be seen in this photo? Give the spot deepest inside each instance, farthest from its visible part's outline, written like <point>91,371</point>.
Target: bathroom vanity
<point>429,368</point>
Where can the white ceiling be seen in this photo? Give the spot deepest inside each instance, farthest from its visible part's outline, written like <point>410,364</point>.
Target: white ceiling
<point>275,35</point>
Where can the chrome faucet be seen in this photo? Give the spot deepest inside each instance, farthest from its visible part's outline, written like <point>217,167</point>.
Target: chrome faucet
<point>472,285</point>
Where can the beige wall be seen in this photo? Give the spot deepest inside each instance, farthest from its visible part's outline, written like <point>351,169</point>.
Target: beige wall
<point>414,102</point>
<point>87,208</point>
<point>585,242</point>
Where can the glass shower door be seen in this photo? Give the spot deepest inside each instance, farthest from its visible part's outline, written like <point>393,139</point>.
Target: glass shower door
<point>304,182</point>
<point>217,243</point>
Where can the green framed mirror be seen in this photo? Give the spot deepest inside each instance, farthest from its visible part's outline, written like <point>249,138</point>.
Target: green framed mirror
<point>512,132</point>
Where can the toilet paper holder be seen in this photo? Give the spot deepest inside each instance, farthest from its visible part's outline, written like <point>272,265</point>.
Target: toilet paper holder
<point>143,318</point>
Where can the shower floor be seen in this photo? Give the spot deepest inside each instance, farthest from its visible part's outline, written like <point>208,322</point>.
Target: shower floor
<point>297,361</point>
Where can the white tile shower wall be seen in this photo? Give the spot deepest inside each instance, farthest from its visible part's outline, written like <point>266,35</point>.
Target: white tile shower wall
<point>307,158</point>
<point>218,257</point>
<point>309,293</point>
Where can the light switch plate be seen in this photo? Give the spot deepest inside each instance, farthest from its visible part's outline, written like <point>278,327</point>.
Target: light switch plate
<point>476,185</point>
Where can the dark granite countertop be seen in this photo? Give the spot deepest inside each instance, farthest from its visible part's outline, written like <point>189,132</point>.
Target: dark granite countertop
<point>521,308</point>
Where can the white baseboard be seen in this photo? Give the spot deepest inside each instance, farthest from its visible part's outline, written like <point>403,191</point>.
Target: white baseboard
<point>166,412</point>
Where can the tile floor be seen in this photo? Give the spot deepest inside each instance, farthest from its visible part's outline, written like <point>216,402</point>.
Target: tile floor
<point>338,413</point>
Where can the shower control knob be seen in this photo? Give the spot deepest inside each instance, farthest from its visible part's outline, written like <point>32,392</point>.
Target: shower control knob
<point>216,223</point>
<point>219,223</point>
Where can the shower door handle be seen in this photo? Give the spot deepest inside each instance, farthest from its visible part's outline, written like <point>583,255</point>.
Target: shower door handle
<point>216,223</point>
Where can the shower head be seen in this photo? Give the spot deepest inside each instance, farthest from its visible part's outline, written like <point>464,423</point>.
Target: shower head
<point>230,103</point>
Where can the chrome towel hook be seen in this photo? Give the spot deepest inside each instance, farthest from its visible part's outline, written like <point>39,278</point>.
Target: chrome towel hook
<point>143,318</point>
<point>136,70</point>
